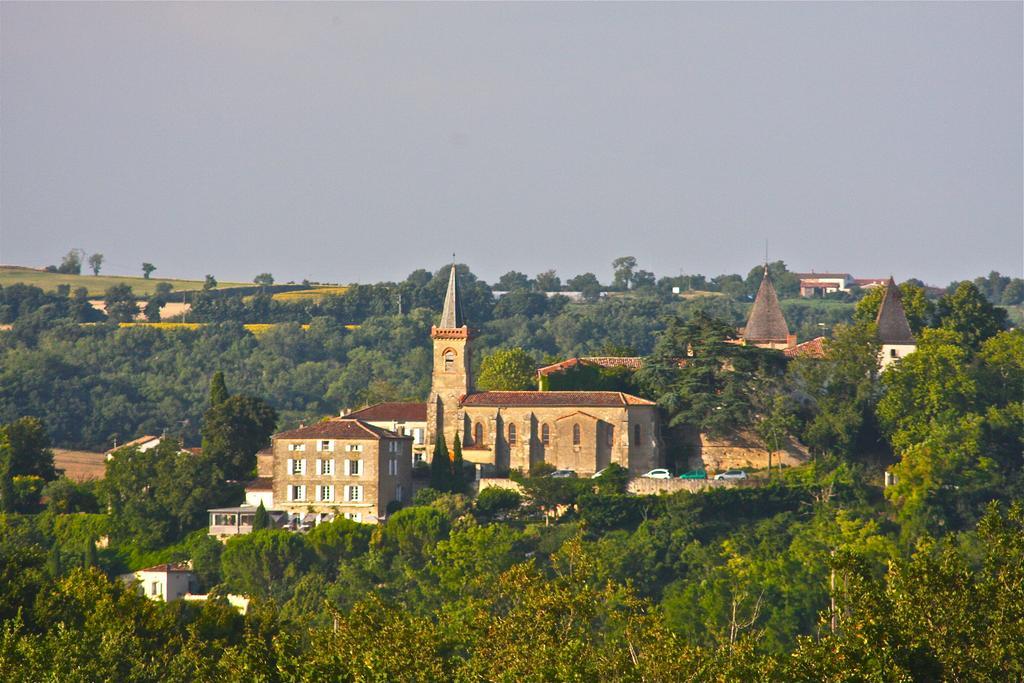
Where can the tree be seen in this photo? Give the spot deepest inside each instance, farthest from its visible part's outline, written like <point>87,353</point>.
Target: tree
<point>787,285</point>
<point>264,279</point>
<point>96,262</point>
<point>234,430</point>
<point>210,282</point>
<point>512,280</point>
<point>548,281</point>
<point>970,315</point>
<point>163,288</point>
<point>120,303</point>
<point>29,445</point>
<point>776,424</point>
<point>218,389</point>
<point>147,269</point>
<point>265,563</point>
<point>260,519</point>
<point>458,471</point>
<point>587,285</point>
<point>1013,294</point>
<point>493,502</point>
<point>507,370</point>
<point>440,466</point>
<point>152,309</point>
<point>918,308</point>
<point>623,268</point>
<point>7,494</point>
<point>643,279</point>
<point>71,263</point>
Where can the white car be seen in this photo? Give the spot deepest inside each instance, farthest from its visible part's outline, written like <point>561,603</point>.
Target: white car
<point>731,474</point>
<point>659,473</point>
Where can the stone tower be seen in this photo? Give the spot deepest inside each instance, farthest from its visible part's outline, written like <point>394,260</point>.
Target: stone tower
<point>766,326</point>
<point>893,329</point>
<point>451,379</point>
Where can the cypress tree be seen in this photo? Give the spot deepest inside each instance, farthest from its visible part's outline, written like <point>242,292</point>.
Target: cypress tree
<point>6,482</point>
<point>458,479</point>
<point>261,520</point>
<point>89,559</point>
<point>441,466</point>
<point>218,389</point>
<point>53,563</point>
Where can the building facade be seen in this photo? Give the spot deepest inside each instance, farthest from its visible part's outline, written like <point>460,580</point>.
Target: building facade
<point>340,467</point>
<point>403,418</point>
<point>892,327</point>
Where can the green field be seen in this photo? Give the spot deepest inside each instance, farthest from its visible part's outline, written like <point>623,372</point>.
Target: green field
<point>98,284</point>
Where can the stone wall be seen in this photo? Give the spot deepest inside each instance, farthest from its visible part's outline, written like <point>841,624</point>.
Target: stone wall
<point>742,451</point>
<point>643,486</point>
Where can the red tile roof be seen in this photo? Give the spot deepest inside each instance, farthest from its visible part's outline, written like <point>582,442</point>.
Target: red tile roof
<point>392,412</point>
<point>339,428</point>
<point>631,362</point>
<point>260,484</point>
<point>813,348</point>
<point>554,399</point>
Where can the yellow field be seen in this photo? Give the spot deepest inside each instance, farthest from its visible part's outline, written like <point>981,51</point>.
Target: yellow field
<point>314,294</point>
<point>98,284</point>
<point>256,328</point>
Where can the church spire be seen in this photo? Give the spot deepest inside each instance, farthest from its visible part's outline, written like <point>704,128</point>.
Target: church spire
<point>766,324</point>
<point>451,314</point>
<point>891,322</point>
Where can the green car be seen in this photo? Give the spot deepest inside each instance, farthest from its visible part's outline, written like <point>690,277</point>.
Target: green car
<point>694,474</point>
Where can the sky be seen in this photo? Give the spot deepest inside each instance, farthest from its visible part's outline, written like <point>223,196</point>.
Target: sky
<point>359,142</point>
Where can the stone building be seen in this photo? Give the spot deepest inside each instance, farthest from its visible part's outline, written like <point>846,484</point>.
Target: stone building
<point>501,430</point>
<point>892,327</point>
<point>341,466</point>
<point>403,418</point>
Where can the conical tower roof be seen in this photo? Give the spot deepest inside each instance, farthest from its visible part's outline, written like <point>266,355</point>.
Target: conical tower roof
<point>766,322</point>
<point>451,314</point>
<point>891,322</point>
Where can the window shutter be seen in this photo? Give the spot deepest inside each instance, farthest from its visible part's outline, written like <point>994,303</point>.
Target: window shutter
<point>302,466</point>
<point>290,491</point>
<point>319,466</point>
<point>290,465</point>
<point>332,466</point>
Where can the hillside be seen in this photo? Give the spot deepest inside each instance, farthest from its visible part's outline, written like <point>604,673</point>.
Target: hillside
<point>97,284</point>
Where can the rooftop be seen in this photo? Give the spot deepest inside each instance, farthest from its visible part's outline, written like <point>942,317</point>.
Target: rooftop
<point>891,321</point>
<point>813,348</point>
<point>554,399</point>
<point>631,362</point>
<point>339,428</point>
<point>168,567</point>
<point>391,412</point>
<point>766,322</point>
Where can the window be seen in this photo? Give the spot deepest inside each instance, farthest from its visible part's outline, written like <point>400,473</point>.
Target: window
<point>354,448</point>
<point>636,435</point>
<point>157,588</point>
<point>297,466</point>
<point>478,435</point>
<point>575,435</point>
<point>297,492</point>
<point>353,494</point>
<point>296,446</point>
<point>417,435</point>
<point>325,445</point>
<point>892,353</point>
<point>392,446</point>
<point>449,360</point>
<point>545,434</point>
<point>393,467</point>
<point>355,468</point>
<point>325,467</point>
<point>224,519</point>
<point>398,493</point>
<point>325,493</point>
<point>354,516</point>
<point>511,435</point>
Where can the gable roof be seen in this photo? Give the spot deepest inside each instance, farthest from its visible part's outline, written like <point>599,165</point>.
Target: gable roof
<point>451,314</point>
<point>631,362</point>
<point>766,322</point>
<point>891,321</point>
<point>554,399</point>
<point>339,428</point>
<point>391,412</point>
<point>169,567</point>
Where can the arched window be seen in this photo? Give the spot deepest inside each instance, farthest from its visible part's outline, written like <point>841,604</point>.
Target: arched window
<point>576,435</point>
<point>449,360</point>
<point>478,435</point>
<point>611,435</point>
<point>636,435</point>
<point>545,434</point>
<point>511,435</point>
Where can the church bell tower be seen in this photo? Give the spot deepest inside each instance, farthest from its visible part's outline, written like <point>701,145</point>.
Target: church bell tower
<point>451,378</point>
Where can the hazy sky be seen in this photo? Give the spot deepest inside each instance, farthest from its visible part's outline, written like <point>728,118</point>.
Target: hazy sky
<point>342,142</point>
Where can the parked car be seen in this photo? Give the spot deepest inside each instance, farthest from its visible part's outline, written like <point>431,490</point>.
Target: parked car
<point>731,474</point>
<point>660,473</point>
<point>694,474</point>
<point>563,474</point>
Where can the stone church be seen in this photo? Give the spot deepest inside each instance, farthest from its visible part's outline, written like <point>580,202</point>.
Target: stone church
<point>583,431</point>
